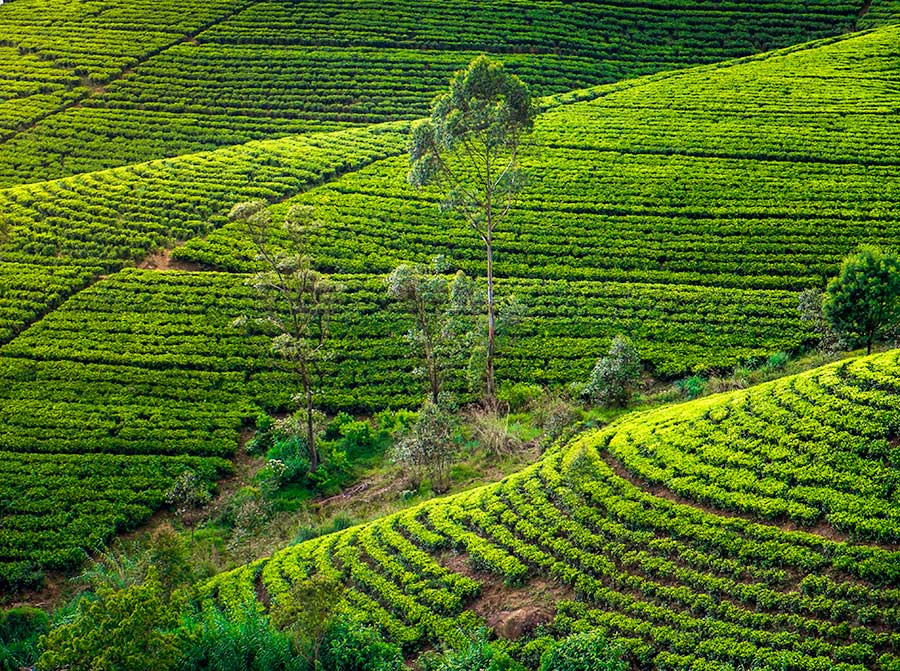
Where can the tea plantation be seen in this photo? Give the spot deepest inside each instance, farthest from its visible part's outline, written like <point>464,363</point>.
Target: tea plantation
<point>692,237</point>
<point>90,86</point>
<point>680,587</point>
<point>694,166</point>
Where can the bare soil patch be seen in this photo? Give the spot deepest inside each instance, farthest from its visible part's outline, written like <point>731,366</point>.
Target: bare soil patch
<point>511,612</point>
<point>162,260</point>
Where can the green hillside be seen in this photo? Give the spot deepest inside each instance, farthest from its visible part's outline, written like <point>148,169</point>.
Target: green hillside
<point>695,165</point>
<point>66,232</point>
<point>681,588</point>
<point>87,85</point>
<point>761,174</point>
<point>684,209</point>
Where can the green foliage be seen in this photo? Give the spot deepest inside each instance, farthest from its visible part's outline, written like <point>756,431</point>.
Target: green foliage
<point>350,646</point>
<point>614,376</point>
<point>426,294</point>
<point>863,302</point>
<point>296,304</point>
<point>667,584</point>
<point>126,630</point>
<point>477,654</point>
<point>242,640</point>
<point>469,148</point>
<point>430,447</point>
<point>692,387</point>
<point>337,523</point>
<point>277,69</point>
<point>584,652</point>
<point>810,304</point>
<point>831,431</point>
<point>20,630</point>
<point>519,395</point>
<point>306,611</point>
<point>188,492</point>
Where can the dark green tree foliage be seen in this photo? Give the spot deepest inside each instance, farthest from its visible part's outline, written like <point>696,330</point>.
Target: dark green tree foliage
<point>584,652</point>
<point>125,630</point>
<point>469,148</point>
<point>615,375</point>
<point>863,302</point>
<point>298,300</point>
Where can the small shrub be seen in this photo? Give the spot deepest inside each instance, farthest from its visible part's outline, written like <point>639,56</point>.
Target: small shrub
<point>262,440</point>
<point>478,655</point>
<point>692,387</point>
<point>778,361</point>
<point>614,376</point>
<point>349,646</point>
<point>188,493</point>
<point>20,630</point>
<point>429,448</point>
<point>492,433</point>
<point>520,396</point>
<point>244,640</point>
<point>584,652</point>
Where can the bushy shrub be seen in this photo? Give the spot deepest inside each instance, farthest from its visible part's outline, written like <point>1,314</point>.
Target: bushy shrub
<point>244,640</point>
<point>349,646</point>
<point>589,651</point>
<point>429,448</point>
<point>692,387</point>
<point>478,655</point>
<point>131,629</point>
<point>20,630</point>
<point>614,376</point>
<point>520,395</point>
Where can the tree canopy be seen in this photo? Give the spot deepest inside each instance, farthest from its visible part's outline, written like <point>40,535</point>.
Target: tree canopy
<point>862,302</point>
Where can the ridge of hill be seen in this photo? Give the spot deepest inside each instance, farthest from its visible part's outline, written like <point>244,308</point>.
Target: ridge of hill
<point>84,87</point>
<point>679,586</point>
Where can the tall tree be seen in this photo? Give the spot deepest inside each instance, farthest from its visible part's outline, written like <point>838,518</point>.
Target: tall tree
<point>469,148</point>
<point>297,300</point>
<point>863,302</point>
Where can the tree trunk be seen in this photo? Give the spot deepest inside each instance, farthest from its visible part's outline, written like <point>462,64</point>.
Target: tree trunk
<point>434,380</point>
<point>490,390</point>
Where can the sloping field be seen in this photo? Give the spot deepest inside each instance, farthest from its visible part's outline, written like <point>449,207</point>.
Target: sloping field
<point>819,447</point>
<point>85,86</point>
<point>683,209</point>
<point>762,174</point>
<point>680,587</point>
<point>64,233</point>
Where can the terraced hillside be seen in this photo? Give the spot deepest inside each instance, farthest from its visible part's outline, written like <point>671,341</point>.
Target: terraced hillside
<point>62,234</point>
<point>682,587</point>
<point>694,247</point>
<point>760,175</point>
<point>88,85</point>
<point>684,209</point>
